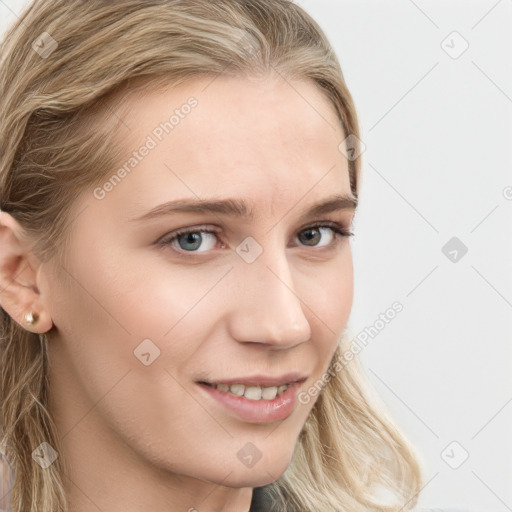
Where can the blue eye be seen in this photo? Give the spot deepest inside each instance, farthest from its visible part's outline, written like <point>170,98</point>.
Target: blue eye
<point>191,240</point>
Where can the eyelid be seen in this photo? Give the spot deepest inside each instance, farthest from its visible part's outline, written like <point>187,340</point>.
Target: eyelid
<point>340,229</point>
<point>167,238</point>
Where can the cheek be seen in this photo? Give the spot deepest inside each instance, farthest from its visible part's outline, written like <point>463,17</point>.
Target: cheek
<point>329,291</point>
<point>102,311</point>
<point>329,307</point>
<point>159,298</point>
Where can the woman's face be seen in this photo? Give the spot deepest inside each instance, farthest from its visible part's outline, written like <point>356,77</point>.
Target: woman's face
<point>142,316</point>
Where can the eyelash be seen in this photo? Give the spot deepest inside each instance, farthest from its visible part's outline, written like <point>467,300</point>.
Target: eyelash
<point>338,229</point>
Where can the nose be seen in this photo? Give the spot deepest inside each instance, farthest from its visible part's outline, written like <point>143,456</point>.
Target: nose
<point>266,308</point>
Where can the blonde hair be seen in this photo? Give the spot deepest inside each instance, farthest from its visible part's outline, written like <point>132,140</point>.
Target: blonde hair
<point>58,137</point>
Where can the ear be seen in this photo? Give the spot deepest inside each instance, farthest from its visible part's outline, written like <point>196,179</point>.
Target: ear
<point>19,293</point>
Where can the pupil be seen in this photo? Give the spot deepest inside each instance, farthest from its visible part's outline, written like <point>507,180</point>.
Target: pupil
<point>191,238</point>
<point>310,234</point>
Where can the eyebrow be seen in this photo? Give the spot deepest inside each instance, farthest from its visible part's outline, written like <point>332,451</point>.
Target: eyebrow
<point>240,208</point>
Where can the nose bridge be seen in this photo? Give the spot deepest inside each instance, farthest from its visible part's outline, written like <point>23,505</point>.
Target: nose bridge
<point>267,308</point>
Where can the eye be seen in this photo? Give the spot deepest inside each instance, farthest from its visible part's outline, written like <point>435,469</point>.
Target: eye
<point>192,240</point>
<point>312,233</point>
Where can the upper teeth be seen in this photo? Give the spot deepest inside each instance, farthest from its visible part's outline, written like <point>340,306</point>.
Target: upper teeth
<point>253,392</point>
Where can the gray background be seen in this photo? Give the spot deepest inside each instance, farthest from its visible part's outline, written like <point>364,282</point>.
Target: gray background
<point>437,128</point>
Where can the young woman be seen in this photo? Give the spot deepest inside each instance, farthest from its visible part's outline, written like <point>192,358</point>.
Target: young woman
<point>179,181</point>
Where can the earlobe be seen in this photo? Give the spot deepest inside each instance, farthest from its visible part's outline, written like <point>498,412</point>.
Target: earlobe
<point>19,292</point>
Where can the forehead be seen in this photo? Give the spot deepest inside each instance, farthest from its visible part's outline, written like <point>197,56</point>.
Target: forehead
<point>271,93</point>
<point>268,139</point>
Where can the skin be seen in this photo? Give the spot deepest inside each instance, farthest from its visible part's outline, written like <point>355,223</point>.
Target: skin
<point>147,437</point>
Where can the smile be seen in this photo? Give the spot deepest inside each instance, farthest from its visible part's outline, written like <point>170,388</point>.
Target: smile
<point>251,392</point>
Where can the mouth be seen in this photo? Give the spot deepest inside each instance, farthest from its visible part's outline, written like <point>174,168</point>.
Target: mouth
<point>252,403</point>
<point>251,392</point>
<point>256,388</point>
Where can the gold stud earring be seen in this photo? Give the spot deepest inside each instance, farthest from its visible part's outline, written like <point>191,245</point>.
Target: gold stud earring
<point>31,318</point>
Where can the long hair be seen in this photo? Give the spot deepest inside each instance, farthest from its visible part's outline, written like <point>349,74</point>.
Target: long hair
<point>65,64</point>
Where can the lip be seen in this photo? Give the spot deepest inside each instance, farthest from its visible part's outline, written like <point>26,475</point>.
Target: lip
<point>263,380</point>
<point>255,411</point>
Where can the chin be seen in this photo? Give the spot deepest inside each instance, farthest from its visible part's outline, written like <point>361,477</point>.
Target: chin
<point>263,477</point>
<point>264,472</point>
